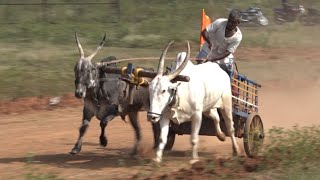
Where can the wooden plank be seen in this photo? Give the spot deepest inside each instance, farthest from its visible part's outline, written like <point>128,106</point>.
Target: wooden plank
<point>245,84</point>
<point>142,73</point>
<point>244,90</point>
<point>236,98</point>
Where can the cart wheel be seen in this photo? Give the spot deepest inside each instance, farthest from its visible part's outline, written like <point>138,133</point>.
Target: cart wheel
<point>170,141</point>
<point>253,135</point>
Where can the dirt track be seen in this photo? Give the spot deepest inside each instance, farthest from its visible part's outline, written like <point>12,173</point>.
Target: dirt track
<point>46,137</point>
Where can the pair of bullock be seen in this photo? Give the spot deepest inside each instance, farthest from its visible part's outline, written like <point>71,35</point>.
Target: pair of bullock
<point>207,91</point>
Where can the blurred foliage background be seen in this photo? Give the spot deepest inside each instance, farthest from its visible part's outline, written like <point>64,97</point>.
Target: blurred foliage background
<point>130,23</point>
<point>38,49</point>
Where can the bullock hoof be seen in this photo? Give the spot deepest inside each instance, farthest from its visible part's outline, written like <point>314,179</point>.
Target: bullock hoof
<point>194,161</point>
<point>235,152</point>
<point>133,152</point>
<point>75,150</point>
<point>156,160</point>
<point>155,147</point>
<point>222,137</point>
<point>103,141</point>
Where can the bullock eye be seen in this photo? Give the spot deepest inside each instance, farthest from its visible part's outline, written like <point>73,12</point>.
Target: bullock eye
<point>163,91</point>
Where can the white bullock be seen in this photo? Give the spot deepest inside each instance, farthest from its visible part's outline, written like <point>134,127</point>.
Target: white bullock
<point>209,89</point>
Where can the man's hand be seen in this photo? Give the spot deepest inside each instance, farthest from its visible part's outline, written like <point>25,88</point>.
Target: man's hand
<point>200,61</point>
<point>212,59</point>
<point>235,73</point>
<point>224,55</point>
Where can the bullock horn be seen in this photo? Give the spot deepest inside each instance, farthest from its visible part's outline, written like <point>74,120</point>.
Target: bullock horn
<point>79,46</point>
<point>98,48</point>
<point>161,61</point>
<point>182,66</point>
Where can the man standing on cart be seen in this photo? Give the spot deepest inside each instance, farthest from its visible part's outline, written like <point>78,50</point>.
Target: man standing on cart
<point>222,39</point>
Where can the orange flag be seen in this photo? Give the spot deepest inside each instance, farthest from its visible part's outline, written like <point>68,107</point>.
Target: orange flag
<point>205,21</point>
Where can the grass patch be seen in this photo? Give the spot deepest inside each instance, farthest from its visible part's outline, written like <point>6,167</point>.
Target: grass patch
<point>38,55</point>
<point>289,154</point>
<point>296,147</point>
<point>48,69</point>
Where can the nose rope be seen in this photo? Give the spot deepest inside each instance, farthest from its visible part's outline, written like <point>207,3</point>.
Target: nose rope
<point>149,112</point>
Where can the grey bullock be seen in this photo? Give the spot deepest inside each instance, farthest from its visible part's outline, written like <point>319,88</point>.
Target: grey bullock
<point>101,93</point>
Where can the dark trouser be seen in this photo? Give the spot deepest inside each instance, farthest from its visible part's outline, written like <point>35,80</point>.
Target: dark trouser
<point>224,67</point>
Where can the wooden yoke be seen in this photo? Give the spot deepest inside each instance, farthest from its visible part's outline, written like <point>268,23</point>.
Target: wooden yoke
<point>142,73</point>
<point>135,76</point>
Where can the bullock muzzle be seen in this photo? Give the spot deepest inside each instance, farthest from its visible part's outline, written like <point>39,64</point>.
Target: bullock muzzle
<point>153,117</point>
<point>80,94</point>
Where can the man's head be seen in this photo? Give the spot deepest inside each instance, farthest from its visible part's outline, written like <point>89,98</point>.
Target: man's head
<point>233,19</point>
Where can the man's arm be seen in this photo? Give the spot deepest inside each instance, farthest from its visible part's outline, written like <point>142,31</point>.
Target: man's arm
<point>230,49</point>
<point>224,55</point>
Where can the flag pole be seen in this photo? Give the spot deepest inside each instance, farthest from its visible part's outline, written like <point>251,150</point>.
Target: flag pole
<point>201,24</point>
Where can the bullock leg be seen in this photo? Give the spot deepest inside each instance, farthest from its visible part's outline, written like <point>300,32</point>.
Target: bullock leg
<point>195,128</point>
<point>86,117</point>
<point>228,119</point>
<point>133,117</point>
<point>156,134</point>
<point>213,114</point>
<point>112,113</point>
<point>164,126</point>
<point>103,138</point>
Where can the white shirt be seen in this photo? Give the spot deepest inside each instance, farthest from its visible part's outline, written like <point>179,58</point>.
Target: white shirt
<point>220,43</point>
